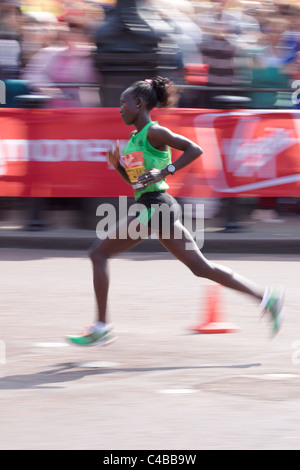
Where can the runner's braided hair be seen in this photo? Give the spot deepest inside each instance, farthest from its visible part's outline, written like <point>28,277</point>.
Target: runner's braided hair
<point>158,91</point>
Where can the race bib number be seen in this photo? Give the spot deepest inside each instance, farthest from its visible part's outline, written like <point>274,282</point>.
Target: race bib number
<point>134,165</point>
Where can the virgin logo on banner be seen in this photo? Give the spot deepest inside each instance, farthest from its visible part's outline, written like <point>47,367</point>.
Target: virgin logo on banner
<point>62,153</point>
<point>251,153</point>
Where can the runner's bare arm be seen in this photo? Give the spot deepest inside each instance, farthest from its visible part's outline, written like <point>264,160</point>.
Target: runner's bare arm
<point>161,136</point>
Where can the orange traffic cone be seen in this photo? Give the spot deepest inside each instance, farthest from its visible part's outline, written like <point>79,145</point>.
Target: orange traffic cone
<point>213,322</point>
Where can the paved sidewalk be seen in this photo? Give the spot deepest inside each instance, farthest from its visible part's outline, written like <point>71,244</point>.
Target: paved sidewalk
<point>280,236</point>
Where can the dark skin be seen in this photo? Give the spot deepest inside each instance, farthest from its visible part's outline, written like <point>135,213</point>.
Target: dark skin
<point>134,112</point>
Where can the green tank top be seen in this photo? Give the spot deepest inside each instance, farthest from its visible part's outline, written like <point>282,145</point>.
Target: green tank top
<point>138,156</point>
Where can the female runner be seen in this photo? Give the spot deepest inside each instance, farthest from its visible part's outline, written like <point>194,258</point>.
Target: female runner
<point>149,146</point>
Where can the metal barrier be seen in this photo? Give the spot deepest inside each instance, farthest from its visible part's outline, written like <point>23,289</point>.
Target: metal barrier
<point>230,97</point>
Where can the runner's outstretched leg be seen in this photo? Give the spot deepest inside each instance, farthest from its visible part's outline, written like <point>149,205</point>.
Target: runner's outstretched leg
<point>201,267</point>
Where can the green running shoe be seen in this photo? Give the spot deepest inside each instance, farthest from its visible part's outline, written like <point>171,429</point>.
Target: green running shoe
<point>93,336</point>
<point>274,306</point>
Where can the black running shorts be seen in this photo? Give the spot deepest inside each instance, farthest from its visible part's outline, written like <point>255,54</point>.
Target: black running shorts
<point>159,210</point>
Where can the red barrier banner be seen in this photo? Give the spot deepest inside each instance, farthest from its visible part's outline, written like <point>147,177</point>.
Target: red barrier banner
<point>62,152</point>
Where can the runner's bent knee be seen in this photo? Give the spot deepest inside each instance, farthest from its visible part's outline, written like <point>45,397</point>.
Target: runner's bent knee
<point>98,254</point>
<point>202,269</point>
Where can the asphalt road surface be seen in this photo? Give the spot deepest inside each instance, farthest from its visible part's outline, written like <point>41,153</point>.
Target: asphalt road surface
<point>159,386</point>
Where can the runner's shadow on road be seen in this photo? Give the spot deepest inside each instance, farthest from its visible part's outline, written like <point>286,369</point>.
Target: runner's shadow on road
<point>72,372</point>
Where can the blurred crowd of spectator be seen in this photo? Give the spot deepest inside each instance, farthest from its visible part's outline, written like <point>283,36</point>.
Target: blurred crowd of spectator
<point>223,43</point>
